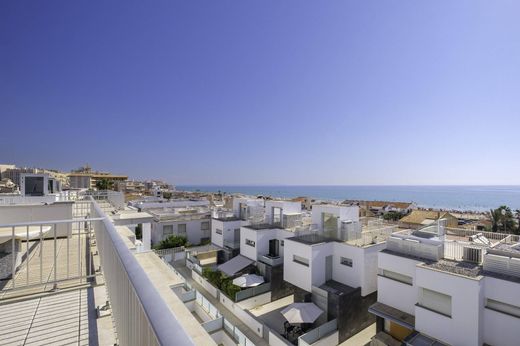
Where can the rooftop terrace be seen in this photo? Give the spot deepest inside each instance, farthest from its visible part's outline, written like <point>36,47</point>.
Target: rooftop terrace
<point>58,277</point>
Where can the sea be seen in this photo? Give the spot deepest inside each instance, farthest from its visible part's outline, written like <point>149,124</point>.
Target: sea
<point>463,198</point>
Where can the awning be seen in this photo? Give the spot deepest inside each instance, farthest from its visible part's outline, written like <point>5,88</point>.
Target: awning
<point>234,265</point>
<point>395,315</point>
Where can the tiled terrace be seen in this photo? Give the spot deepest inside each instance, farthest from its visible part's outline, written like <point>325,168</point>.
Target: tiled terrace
<point>71,262</point>
<point>57,319</point>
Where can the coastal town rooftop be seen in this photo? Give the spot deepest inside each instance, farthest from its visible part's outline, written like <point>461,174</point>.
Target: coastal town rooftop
<point>459,251</point>
<point>80,279</point>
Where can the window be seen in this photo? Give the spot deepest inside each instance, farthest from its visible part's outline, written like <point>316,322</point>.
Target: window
<point>505,308</point>
<point>405,279</point>
<point>204,225</point>
<point>250,242</point>
<point>167,230</point>
<point>281,242</point>
<point>435,301</point>
<point>181,229</point>
<point>346,261</point>
<point>301,260</point>
<point>219,231</point>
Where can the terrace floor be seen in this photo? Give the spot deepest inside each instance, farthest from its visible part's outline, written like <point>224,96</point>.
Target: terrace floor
<point>36,274</point>
<point>57,319</point>
<point>34,311</point>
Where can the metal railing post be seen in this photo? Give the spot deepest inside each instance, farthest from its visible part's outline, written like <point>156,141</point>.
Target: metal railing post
<point>41,253</point>
<point>14,257</point>
<point>27,255</point>
<point>55,256</point>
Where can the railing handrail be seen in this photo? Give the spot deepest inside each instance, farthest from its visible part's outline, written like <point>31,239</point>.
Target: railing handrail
<point>166,327</point>
<point>49,222</point>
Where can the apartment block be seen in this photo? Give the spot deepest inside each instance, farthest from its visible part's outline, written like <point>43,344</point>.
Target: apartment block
<point>448,286</point>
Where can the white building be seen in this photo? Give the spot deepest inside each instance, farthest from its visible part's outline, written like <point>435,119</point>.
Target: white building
<point>194,223</point>
<point>342,250</point>
<point>73,273</point>
<point>225,225</point>
<point>337,264</point>
<point>449,286</point>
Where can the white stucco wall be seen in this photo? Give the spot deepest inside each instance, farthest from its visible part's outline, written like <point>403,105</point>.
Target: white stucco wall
<point>500,328</point>
<point>396,294</point>
<point>286,206</point>
<point>194,231</point>
<point>261,239</point>
<point>295,273</point>
<point>247,250</point>
<point>228,231</point>
<point>342,212</point>
<point>463,327</point>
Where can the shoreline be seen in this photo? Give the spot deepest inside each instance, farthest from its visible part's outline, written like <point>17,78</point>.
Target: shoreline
<point>478,211</point>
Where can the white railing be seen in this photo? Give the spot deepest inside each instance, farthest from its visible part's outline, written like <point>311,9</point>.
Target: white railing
<point>466,233</point>
<point>115,198</point>
<point>369,236</point>
<point>141,316</point>
<point>24,200</point>
<point>63,243</point>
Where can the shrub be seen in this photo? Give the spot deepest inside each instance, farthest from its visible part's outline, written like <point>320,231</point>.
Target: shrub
<point>171,242</point>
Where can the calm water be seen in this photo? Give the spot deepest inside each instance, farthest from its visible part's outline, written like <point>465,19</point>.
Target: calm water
<point>478,198</point>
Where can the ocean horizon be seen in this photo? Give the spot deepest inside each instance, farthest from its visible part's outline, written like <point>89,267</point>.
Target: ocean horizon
<point>449,197</point>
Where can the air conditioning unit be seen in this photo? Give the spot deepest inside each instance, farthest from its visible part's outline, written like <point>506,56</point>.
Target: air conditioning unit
<point>472,254</point>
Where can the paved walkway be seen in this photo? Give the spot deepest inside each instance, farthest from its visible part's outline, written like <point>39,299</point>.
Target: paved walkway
<point>58,319</point>
<point>186,273</point>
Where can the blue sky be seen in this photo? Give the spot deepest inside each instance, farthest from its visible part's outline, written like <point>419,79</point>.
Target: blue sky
<point>264,92</point>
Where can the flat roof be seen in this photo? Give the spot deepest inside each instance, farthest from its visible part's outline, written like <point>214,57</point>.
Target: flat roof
<point>311,239</point>
<point>229,218</point>
<point>338,288</point>
<point>234,265</point>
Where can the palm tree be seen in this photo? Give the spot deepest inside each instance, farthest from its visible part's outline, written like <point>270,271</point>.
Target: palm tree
<point>517,215</point>
<point>502,220</point>
<point>495,216</point>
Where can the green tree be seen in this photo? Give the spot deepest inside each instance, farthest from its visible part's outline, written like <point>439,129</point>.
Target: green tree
<point>502,220</point>
<point>105,184</point>
<point>393,216</point>
<point>171,242</point>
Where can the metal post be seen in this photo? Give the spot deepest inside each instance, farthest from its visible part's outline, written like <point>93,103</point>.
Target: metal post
<point>89,270</point>
<point>41,253</point>
<point>69,231</point>
<point>14,257</point>
<point>55,258</point>
<point>27,255</point>
<point>79,251</point>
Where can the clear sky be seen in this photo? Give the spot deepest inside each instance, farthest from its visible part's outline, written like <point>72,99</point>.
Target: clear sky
<point>264,92</point>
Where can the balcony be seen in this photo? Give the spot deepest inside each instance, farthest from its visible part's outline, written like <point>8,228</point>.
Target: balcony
<point>57,264</point>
